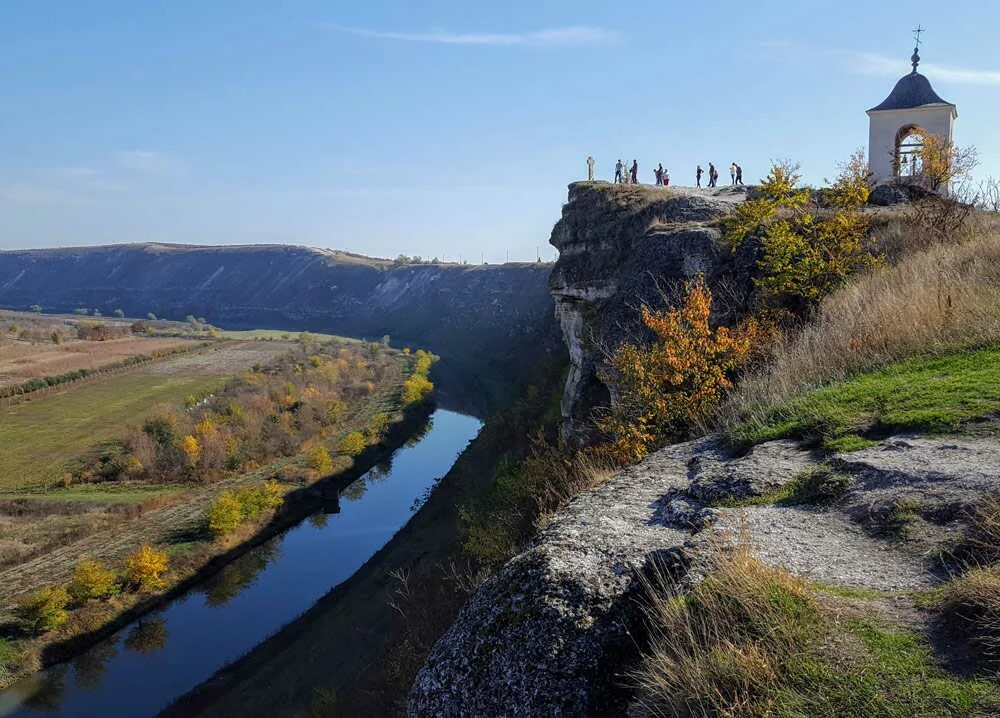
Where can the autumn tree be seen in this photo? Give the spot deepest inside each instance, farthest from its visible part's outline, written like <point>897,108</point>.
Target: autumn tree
<point>320,461</point>
<point>352,444</point>
<point>943,162</point>
<point>806,252</point>
<point>666,387</point>
<point>191,449</point>
<point>144,569</point>
<point>43,610</point>
<point>224,515</point>
<point>91,579</point>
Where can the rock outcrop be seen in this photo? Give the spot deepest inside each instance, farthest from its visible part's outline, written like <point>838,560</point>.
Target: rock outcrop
<point>555,630</point>
<point>621,246</point>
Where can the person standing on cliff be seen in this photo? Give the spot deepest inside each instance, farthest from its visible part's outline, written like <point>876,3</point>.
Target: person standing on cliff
<point>666,178</point>
<point>618,172</point>
<point>658,173</point>
<point>697,176</point>
<point>732,174</point>
<point>635,171</point>
<point>590,168</point>
<point>712,175</point>
<point>739,175</point>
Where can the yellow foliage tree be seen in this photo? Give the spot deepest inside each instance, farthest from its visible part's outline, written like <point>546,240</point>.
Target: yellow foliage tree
<point>144,569</point>
<point>943,162</point>
<point>666,387</point>
<point>206,427</point>
<point>91,580</point>
<point>191,449</point>
<point>224,515</point>
<point>416,389</point>
<point>806,253</point>
<point>352,444</point>
<point>320,461</point>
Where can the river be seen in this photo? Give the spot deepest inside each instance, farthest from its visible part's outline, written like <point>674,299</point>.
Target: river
<point>144,667</point>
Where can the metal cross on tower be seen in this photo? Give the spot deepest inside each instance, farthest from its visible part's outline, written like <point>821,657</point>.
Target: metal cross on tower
<point>915,58</point>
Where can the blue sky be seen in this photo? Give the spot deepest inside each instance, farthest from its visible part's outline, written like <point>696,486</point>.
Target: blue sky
<point>439,128</point>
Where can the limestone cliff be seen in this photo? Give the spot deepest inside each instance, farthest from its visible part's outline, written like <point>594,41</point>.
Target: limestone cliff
<point>477,317</point>
<point>621,246</point>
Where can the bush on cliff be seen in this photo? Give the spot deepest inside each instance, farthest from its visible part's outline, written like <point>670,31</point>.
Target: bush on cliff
<point>668,386</point>
<point>806,251</point>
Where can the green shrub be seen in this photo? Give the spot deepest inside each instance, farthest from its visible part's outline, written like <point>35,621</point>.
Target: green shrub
<point>256,500</point>
<point>44,609</point>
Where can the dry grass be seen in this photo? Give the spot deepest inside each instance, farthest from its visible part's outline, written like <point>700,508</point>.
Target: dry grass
<point>972,607</point>
<point>524,496</point>
<point>751,641</point>
<point>944,298</point>
<point>720,650</point>
<point>22,360</point>
<point>971,602</point>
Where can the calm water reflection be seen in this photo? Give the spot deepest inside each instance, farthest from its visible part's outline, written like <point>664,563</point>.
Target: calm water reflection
<point>146,665</point>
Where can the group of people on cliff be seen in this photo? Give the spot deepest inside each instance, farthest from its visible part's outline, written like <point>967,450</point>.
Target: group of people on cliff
<point>624,174</point>
<point>735,175</point>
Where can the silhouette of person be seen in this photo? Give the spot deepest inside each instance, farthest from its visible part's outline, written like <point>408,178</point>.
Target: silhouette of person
<point>739,175</point>
<point>590,168</point>
<point>697,176</point>
<point>658,173</point>
<point>618,171</point>
<point>713,175</point>
<point>635,171</point>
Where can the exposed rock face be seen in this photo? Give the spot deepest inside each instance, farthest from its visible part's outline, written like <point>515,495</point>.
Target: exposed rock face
<point>888,194</point>
<point>472,315</point>
<point>552,633</point>
<point>540,637</point>
<point>621,246</point>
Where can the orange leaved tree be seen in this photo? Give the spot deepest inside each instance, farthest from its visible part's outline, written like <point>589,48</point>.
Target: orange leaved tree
<point>664,388</point>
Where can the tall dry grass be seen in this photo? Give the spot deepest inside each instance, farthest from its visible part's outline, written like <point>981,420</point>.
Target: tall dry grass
<point>723,649</point>
<point>936,299</point>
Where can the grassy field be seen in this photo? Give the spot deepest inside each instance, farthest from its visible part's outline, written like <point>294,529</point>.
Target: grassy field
<point>37,438</point>
<point>936,394</point>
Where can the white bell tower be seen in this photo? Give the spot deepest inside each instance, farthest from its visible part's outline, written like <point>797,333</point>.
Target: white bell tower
<point>898,126</point>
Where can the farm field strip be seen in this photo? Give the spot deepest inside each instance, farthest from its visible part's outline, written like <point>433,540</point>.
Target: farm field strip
<point>162,525</point>
<point>21,360</point>
<point>38,437</point>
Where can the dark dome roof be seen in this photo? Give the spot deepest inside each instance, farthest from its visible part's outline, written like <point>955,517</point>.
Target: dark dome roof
<point>913,90</point>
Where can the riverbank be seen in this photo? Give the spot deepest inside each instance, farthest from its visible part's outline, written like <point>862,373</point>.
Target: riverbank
<point>334,527</point>
<point>177,525</point>
<point>356,650</point>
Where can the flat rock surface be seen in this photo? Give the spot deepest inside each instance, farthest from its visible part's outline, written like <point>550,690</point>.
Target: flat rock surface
<point>553,631</point>
<point>826,547</point>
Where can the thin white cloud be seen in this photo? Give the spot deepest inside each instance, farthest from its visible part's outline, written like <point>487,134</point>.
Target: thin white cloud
<point>25,193</point>
<point>551,37</point>
<point>79,179</point>
<point>152,163</point>
<point>869,63</point>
